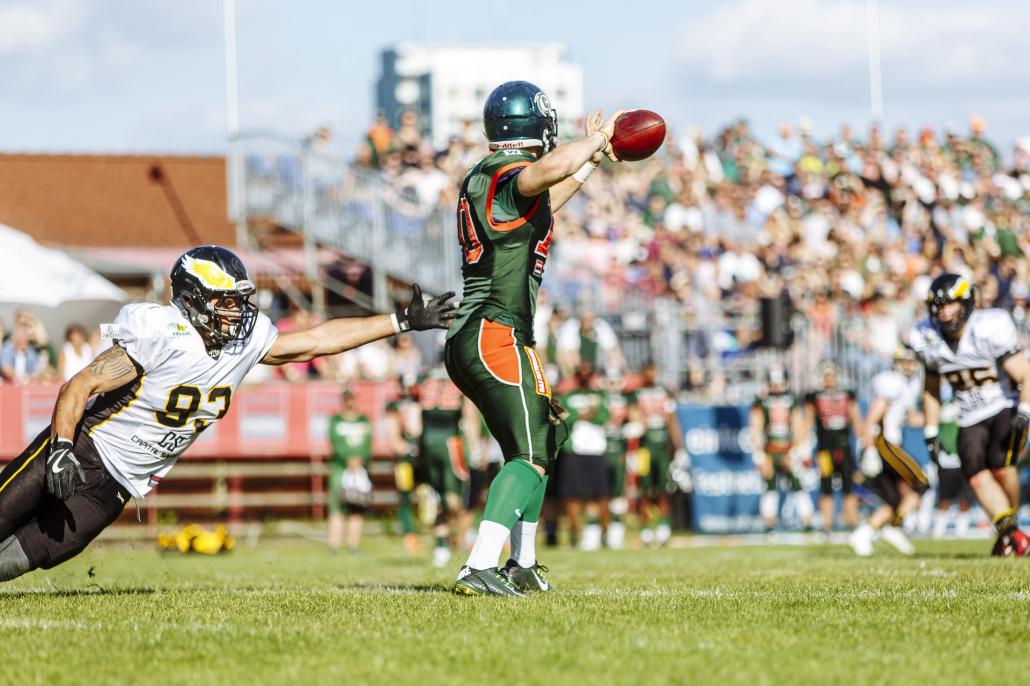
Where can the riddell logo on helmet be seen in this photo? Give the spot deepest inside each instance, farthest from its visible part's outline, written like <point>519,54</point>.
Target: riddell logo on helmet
<point>509,145</point>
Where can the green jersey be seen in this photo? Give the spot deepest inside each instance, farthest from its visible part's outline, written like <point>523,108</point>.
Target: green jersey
<point>588,415</point>
<point>655,405</point>
<point>504,239</point>
<point>351,436</point>
<point>778,410</point>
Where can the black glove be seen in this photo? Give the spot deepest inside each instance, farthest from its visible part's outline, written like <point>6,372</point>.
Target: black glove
<point>1017,435</point>
<point>61,469</point>
<point>419,315</point>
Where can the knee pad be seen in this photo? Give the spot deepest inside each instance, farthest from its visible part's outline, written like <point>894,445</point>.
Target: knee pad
<point>13,560</point>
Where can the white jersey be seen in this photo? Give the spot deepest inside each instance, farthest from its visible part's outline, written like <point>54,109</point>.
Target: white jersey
<point>973,369</point>
<point>141,429</point>
<point>902,395</point>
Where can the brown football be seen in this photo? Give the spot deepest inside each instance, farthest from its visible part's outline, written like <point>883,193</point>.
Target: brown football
<point>638,134</point>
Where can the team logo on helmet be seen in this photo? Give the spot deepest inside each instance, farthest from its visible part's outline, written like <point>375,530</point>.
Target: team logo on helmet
<point>209,273</point>
<point>542,102</point>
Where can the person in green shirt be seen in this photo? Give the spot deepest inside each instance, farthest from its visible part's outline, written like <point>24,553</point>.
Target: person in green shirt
<point>350,489</point>
<point>582,467</point>
<point>505,226</point>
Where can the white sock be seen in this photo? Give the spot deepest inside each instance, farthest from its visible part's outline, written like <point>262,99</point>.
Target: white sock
<point>489,542</point>
<point>940,522</point>
<point>523,543</point>
<point>962,524</point>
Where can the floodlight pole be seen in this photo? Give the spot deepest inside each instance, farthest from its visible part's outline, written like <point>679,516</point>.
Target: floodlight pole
<point>872,14</point>
<point>234,158</point>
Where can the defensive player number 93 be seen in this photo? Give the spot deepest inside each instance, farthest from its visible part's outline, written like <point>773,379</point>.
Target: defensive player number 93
<point>212,291</point>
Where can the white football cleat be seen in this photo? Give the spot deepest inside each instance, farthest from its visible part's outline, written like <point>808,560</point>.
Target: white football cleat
<point>662,534</point>
<point>861,540</point>
<point>897,538</point>
<point>647,536</point>
<point>441,556</point>
<point>616,538</point>
<point>591,539</point>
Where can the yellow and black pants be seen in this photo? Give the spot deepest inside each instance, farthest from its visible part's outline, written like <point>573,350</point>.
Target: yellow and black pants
<point>898,466</point>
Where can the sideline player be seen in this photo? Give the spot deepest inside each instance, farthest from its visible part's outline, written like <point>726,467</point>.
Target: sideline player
<point>654,407</point>
<point>582,469</point>
<point>350,488</point>
<point>505,225</point>
<point>172,371</point>
<point>776,427</point>
<point>973,349</point>
<point>442,455</point>
<point>896,477</point>
<point>403,420</point>
<point>834,413</point>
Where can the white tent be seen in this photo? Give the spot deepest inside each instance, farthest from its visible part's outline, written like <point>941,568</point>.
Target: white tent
<point>51,285</point>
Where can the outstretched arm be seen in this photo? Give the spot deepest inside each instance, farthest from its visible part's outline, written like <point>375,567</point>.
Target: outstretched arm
<point>561,163</point>
<point>111,369</point>
<point>338,335</point>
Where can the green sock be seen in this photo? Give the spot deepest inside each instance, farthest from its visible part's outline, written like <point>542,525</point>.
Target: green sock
<point>663,520</point>
<point>536,503</point>
<point>510,493</point>
<point>441,542</point>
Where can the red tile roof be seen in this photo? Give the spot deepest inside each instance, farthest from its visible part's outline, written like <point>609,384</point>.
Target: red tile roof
<point>115,200</point>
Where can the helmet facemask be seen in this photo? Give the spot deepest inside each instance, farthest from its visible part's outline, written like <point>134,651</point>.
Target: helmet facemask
<point>220,325</point>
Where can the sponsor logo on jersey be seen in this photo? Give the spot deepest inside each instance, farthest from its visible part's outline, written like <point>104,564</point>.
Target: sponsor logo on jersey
<point>542,387</point>
<point>178,330</point>
<point>209,273</point>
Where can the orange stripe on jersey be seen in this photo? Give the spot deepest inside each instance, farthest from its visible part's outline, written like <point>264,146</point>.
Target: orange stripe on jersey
<point>456,451</point>
<point>542,387</point>
<point>518,221</point>
<point>498,353</point>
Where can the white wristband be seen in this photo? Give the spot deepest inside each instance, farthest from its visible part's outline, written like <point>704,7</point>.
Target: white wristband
<point>585,171</point>
<point>931,431</point>
<point>396,324</point>
<point>606,140</point>
<point>1024,409</point>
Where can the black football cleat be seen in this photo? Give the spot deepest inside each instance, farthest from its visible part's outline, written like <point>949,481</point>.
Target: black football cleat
<point>485,582</point>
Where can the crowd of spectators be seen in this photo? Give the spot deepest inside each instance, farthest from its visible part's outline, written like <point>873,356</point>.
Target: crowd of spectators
<point>29,356</point>
<point>850,228</point>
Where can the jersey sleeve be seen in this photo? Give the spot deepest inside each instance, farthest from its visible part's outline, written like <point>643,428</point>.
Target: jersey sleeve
<point>141,329</point>
<point>887,386</point>
<point>919,341</point>
<point>506,208</point>
<point>1000,338</point>
<point>264,336</point>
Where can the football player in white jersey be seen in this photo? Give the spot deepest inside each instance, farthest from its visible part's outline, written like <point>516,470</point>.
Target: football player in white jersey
<point>975,350</point>
<point>120,424</point>
<point>894,474</point>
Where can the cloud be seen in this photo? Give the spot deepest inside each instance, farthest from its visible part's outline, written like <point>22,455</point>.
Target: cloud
<point>818,47</point>
<point>32,27</point>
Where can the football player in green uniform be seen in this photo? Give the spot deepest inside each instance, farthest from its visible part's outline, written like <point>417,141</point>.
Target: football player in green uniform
<point>505,227</point>
<point>654,407</point>
<point>442,453</point>
<point>403,425</point>
<point>582,469</point>
<point>350,489</point>
<point>618,432</point>
<point>776,428</point>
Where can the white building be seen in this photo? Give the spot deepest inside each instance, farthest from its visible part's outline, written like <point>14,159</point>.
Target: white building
<point>448,84</point>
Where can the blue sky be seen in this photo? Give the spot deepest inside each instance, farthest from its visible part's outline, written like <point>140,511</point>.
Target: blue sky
<point>120,76</point>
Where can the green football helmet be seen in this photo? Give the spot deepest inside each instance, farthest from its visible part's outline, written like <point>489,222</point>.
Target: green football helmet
<point>518,115</point>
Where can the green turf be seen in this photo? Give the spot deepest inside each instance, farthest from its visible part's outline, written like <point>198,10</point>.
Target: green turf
<point>289,613</point>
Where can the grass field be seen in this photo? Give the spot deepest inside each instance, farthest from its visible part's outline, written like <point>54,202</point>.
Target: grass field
<point>286,612</point>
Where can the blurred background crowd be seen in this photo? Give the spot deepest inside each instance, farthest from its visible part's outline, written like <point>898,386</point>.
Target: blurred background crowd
<point>841,236</point>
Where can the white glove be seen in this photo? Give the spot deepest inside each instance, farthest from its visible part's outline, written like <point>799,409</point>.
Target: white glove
<point>872,465</point>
